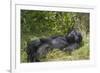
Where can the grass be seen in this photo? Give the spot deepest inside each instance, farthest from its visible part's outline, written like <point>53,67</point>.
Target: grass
<point>80,54</point>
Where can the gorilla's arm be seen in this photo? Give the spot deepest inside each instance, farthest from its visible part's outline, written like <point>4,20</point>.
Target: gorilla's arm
<point>71,47</point>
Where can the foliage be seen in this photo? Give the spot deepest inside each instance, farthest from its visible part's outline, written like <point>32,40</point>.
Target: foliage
<point>38,24</point>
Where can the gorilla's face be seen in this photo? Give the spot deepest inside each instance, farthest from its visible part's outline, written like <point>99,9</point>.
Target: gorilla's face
<point>74,37</point>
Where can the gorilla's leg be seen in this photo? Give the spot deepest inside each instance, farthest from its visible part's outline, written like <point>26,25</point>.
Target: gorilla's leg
<point>32,49</point>
<point>43,50</point>
<point>31,58</point>
<point>31,55</point>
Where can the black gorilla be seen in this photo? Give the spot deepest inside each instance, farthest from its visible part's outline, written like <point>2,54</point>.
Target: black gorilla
<point>40,47</point>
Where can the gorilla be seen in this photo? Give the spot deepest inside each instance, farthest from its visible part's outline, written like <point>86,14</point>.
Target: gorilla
<point>42,46</point>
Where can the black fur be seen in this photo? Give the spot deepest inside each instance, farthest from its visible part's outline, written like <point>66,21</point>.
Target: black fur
<point>40,47</point>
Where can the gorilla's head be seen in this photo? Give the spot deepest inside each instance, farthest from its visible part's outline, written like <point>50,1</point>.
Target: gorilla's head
<point>74,37</point>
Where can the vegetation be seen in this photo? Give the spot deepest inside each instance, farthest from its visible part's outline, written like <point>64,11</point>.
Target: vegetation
<point>38,24</point>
